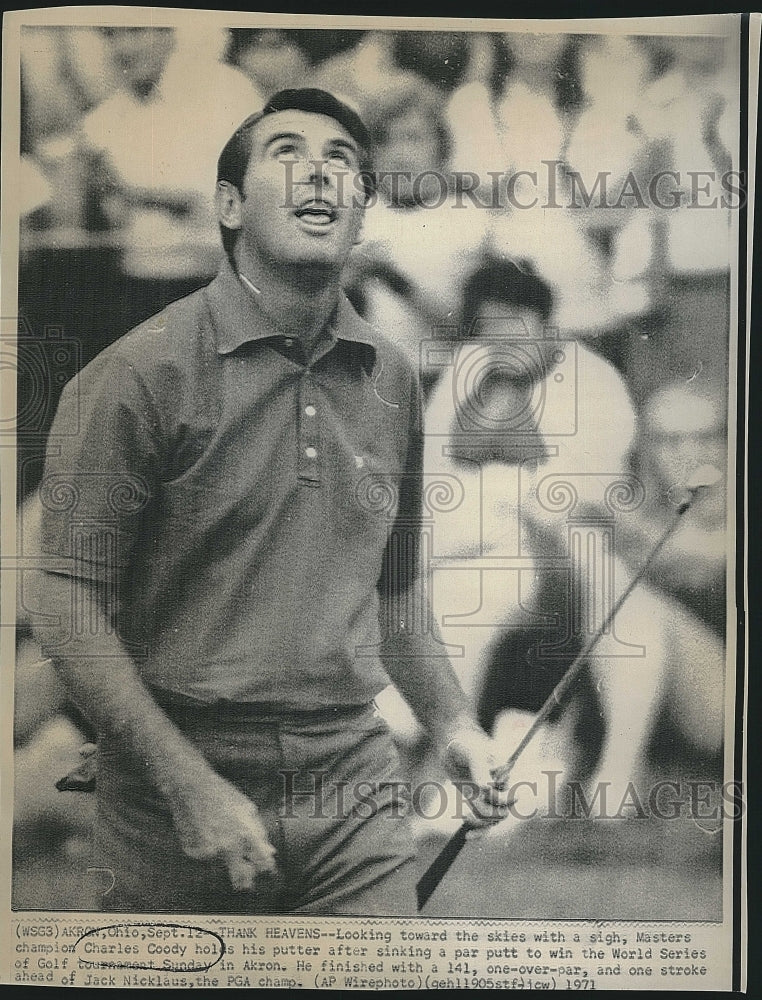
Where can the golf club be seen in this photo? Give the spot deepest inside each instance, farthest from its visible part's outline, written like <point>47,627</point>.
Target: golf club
<point>703,477</point>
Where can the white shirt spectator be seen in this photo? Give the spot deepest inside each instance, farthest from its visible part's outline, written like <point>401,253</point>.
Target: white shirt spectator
<point>164,149</point>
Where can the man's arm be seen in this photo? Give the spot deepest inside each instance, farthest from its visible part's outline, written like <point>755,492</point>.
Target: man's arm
<point>419,667</point>
<point>416,661</point>
<point>119,444</point>
<point>212,818</point>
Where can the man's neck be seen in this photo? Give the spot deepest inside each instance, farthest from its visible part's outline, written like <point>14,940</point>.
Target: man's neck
<point>299,300</point>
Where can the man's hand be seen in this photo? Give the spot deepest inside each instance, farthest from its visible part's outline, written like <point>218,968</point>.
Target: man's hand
<point>213,820</point>
<point>217,821</point>
<point>470,761</point>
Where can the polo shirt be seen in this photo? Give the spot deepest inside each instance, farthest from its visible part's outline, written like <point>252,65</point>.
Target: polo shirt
<point>234,498</point>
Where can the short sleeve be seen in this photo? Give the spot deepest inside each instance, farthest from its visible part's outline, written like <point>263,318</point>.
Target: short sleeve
<point>101,470</point>
<point>402,559</point>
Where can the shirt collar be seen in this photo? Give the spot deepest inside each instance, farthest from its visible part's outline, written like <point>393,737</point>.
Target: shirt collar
<point>239,320</point>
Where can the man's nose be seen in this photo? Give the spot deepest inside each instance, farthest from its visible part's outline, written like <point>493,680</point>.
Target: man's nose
<point>317,171</point>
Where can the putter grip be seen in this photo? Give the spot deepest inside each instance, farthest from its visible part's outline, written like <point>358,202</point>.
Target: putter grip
<point>440,866</point>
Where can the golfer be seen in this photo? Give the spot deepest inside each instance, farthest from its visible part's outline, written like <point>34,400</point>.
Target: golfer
<point>227,484</point>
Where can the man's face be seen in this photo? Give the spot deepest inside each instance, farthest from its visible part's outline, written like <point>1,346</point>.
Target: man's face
<point>683,432</point>
<point>140,54</point>
<point>300,203</point>
<point>273,61</point>
<point>411,145</point>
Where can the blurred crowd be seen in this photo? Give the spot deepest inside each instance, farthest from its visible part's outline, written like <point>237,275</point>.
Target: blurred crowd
<point>624,305</point>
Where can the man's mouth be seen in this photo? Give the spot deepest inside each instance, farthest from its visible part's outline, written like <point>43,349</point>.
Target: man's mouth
<point>316,213</point>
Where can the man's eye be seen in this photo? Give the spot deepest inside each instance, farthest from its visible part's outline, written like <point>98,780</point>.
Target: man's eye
<point>342,156</point>
<point>286,149</point>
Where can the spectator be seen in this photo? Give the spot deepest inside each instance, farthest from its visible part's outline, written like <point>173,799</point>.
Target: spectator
<point>270,57</point>
<point>66,71</point>
<point>607,145</point>
<point>682,428</point>
<point>363,69</point>
<point>531,126</point>
<point>410,270</point>
<point>440,57</point>
<point>686,114</point>
<point>157,140</point>
<point>497,614</point>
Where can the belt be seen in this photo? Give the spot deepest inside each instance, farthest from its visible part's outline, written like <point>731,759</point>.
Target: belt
<point>262,711</point>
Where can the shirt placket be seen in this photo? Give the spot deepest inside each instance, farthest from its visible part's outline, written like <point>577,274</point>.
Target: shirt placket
<point>309,420</point>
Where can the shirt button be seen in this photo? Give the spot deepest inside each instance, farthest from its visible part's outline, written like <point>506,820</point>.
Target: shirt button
<point>310,410</point>
<point>310,452</point>
<point>289,341</point>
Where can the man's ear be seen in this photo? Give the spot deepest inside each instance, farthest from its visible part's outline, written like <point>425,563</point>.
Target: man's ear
<point>227,200</point>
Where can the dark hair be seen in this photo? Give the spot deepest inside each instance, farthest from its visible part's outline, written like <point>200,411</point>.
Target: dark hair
<point>503,62</point>
<point>569,94</point>
<point>317,45</point>
<point>234,158</point>
<point>516,284</point>
<point>441,57</point>
<point>321,44</point>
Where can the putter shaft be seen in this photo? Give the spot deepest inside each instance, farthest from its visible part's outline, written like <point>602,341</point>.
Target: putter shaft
<point>441,864</point>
